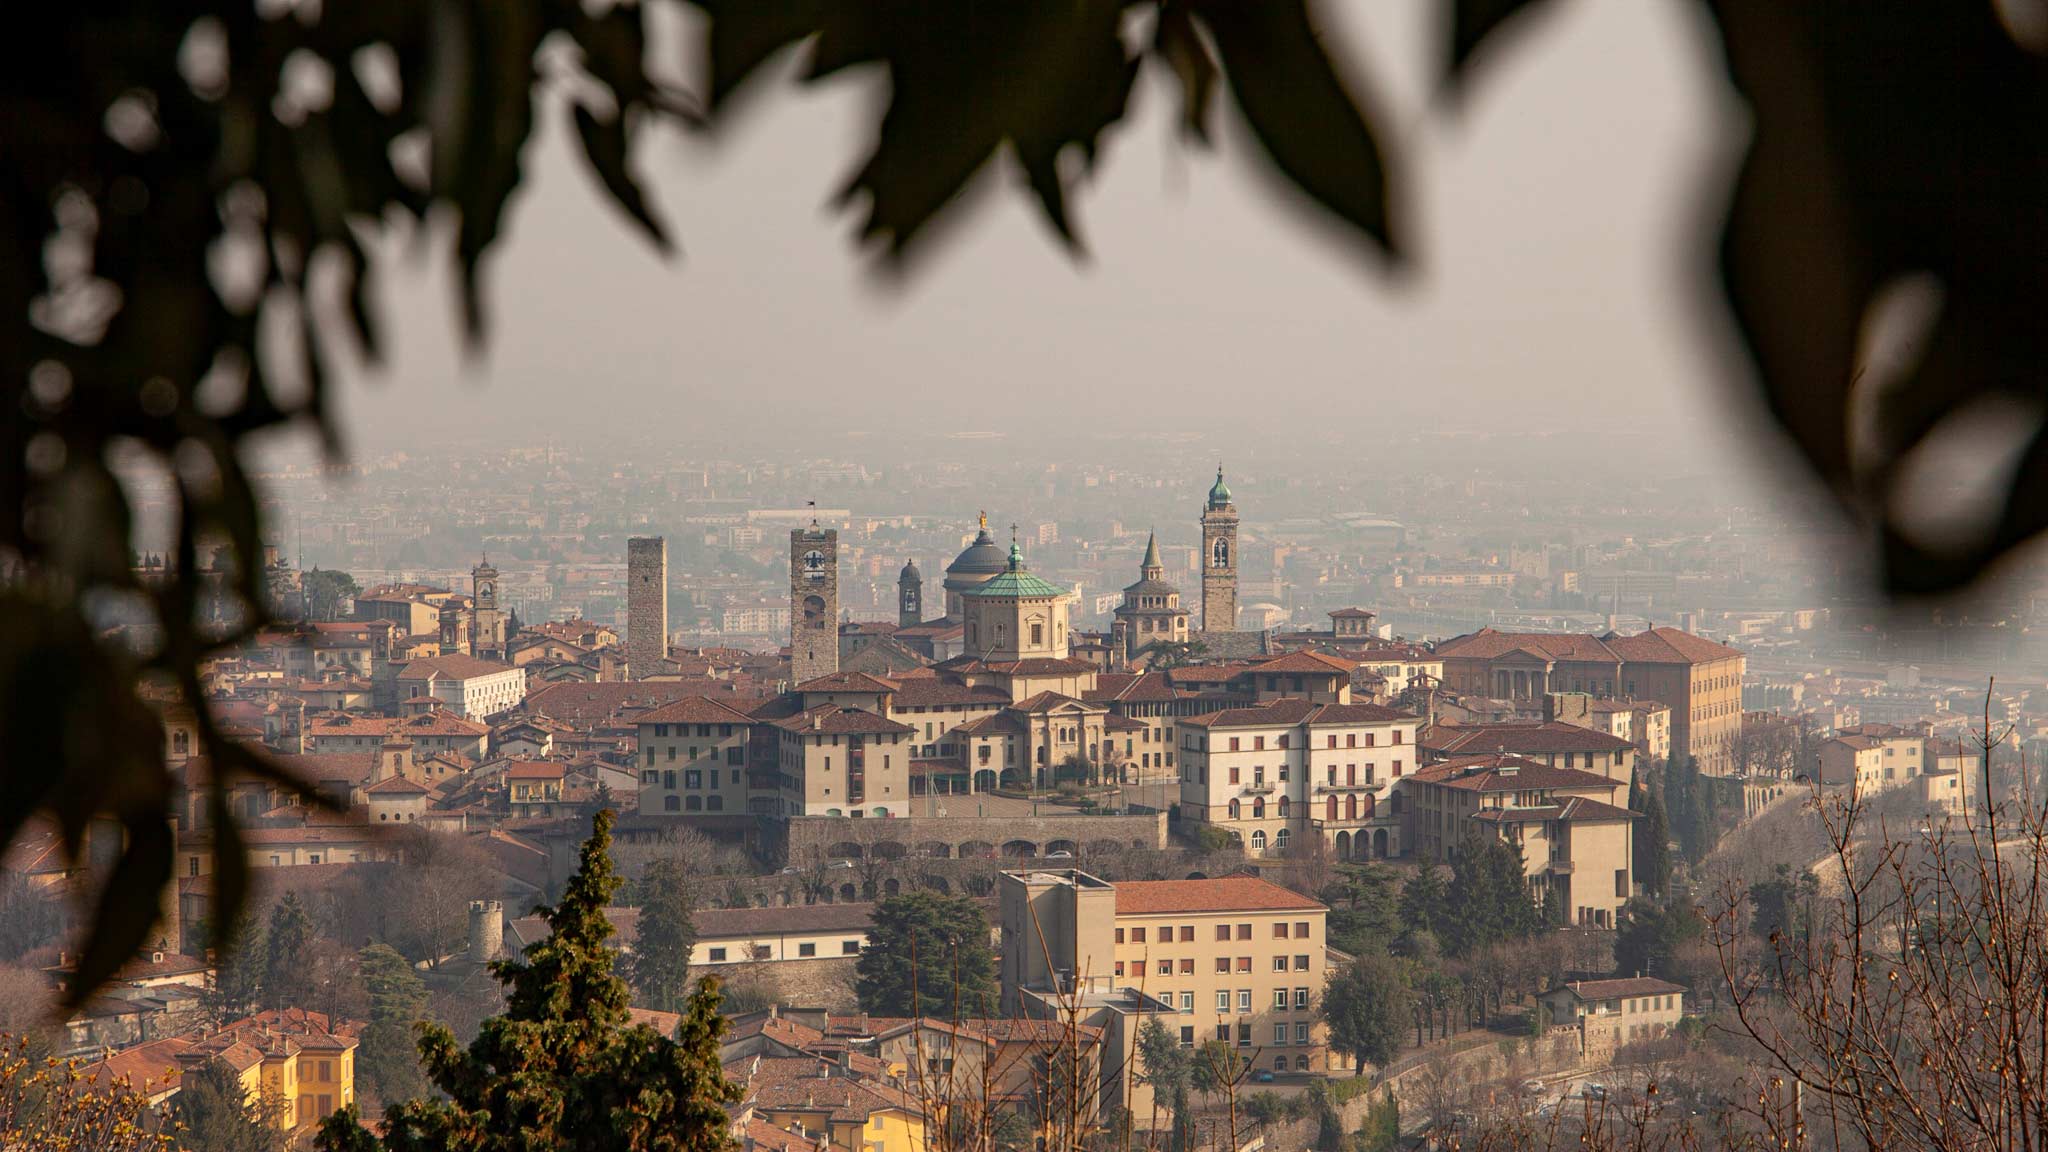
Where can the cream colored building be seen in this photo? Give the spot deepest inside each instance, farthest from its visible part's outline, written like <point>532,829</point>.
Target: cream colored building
<point>693,757</point>
<point>1608,1014</point>
<point>1291,768</point>
<point>764,935</point>
<point>1572,827</point>
<point>1237,959</point>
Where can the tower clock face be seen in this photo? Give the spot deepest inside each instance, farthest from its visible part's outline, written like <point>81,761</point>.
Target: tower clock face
<point>814,565</point>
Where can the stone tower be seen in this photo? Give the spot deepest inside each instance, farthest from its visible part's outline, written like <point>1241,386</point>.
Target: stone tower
<point>646,604</point>
<point>486,622</point>
<point>909,596</point>
<point>813,603</point>
<point>1219,559</point>
<point>454,633</point>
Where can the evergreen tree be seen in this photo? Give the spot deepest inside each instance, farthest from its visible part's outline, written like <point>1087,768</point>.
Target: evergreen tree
<point>387,1064</point>
<point>1168,1069</point>
<point>660,967</point>
<point>1488,900</point>
<point>215,1114</point>
<point>1329,1122</point>
<point>235,988</point>
<point>1652,861</point>
<point>286,948</point>
<point>1367,1006</point>
<point>1425,902</point>
<point>563,1068</point>
<point>1366,915</point>
<point>927,954</point>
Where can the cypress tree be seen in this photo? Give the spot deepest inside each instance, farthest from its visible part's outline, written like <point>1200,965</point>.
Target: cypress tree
<point>564,1068</point>
<point>661,947</point>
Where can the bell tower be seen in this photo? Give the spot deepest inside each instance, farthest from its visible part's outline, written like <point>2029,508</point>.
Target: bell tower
<point>1219,559</point>
<point>909,596</point>
<point>813,603</point>
<point>486,622</point>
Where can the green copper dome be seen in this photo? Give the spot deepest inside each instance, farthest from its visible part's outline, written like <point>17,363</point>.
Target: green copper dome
<point>1016,582</point>
<point>1219,493</point>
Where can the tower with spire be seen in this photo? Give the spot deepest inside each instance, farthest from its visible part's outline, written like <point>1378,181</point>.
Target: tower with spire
<point>1150,617</point>
<point>1219,559</point>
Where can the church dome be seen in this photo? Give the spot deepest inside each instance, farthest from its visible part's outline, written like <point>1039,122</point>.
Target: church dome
<point>910,573</point>
<point>981,558</point>
<point>1219,492</point>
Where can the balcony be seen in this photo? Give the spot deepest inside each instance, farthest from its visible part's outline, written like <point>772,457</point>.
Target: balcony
<point>1560,867</point>
<point>1340,787</point>
<point>1264,788</point>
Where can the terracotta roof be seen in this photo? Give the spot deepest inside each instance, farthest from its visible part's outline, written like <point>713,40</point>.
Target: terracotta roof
<point>845,682</point>
<point>728,923</point>
<point>1495,773</point>
<point>813,1083</point>
<point>1670,646</point>
<point>1042,701</point>
<point>1285,712</point>
<point>153,1064</point>
<point>1222,894</point>
<point>1036,666</point>
<point>436,722</point>
<point>693,710</point>
<point>1315,663</point>
<point>831,719</point>
<point>1518,739</point>
<point>331,767</point>
<point>927,691</point>
<point>1488,644</point>
<point>1567,809</point>
<point>455,666</point>
<point>1613,989</point>
<point>536,770</point>
<point>580,702</point>
<point>998,723</point>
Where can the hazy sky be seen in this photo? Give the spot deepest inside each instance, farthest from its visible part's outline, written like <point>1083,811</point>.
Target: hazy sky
<point>1552,220</point>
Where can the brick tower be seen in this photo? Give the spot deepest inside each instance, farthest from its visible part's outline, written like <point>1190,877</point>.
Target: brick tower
<point>646,604</point>
<point>1219,559</point>
<point>813,603</point>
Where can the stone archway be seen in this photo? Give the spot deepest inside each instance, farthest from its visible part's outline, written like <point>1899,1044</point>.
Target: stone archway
<point>1067,846</point>
<point>1343,845</point>
<point>848,894</point>
<point>985,780</point>
<point>935,850</point>
<point>1379,844</point>
<point>846,850</point>
<point>1020,849</point>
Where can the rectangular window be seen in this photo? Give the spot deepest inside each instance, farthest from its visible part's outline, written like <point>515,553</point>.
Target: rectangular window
<point>1280,930</point>
<point>1397,768</point>
<point>1187,966</point>
<point>1119,935</point>
<point>1244,931</point>
<point>1119,967</point>
<point>718,955</point>
<point>1223,1001</point>
<point>1621,882</point>
<point>1244,963</point>
<point>1137,935</point>
<point>1187,1002</point>
<point>1234,776</point>
<point>1301,963</point>
<point>1223,1033</point>
<point>1300,930</point>
<point>1301,1033</point>
<point>1223,963</point>
<point>1279,963</point>
<point>1233,743</point>
<point>1166,968</point>
<point>1244,1035</point>
<point>807,950</point>
<point>1223,931</point>
<point>849,948</point>
<point>693,779</point>
<point>1187,1036</point>
<point>1280,1034</point>
<point>1187,933</point>
<point>1300,998</point>
<point>1279,999</point>
<point>1258,743</point>
<point>1244,1000</point>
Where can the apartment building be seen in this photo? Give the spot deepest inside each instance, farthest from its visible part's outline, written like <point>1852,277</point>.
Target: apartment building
<point>436,730</point>
<point>1572,827</point>
<point>1291,767</point>
<point>473,688</point>
<point>1559,744</point>
<point>693,757</point>
<point>1237,958</point>
<point>837,761</point>
<point>1699,680</point>
<point>1608,1014</point>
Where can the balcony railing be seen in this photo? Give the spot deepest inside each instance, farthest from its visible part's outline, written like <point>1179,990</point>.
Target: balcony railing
<point>1362,786</point>
<point>1261,788</point>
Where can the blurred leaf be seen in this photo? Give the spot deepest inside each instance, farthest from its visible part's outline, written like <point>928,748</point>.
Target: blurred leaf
<point>604,145</point>
<point>1180,44</point>
<point>743,34</point>
<point>1315,131</point>
<point>1472,22</point>
<point>230,866</point>
<point>128,906</point>
<point>1892,140</point>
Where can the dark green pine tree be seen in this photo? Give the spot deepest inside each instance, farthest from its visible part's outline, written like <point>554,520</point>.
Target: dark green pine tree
<point>660,966</point>
<point>285,948</point>
<point>387,1065</point>
<point>236,986</point>
<point>1489,897</point>
<point>563,1068</point>
<point>1652,861</point>
<point>214,1113</point>
<point>1425,902</point>
<point>927,955</point>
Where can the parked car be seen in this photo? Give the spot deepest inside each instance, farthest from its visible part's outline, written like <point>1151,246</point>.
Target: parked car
<point>1263,1076</point>
<point>1059,855</point>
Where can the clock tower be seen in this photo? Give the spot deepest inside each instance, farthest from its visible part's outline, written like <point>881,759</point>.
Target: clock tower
<point>1219,559</point>
<point>486,622</point>
<point>813,603</point>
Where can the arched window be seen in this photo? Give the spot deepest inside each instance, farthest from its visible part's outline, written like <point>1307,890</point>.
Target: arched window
<point>693,803</point>
<point>1280,839</point>
<point>1351,807</point>
<point>1259,808</point>
<point>1259,839</point>
<point>1283,807</point>
<point>881,811</point>
<point>671,803</point>
<point>714,803</point>
<point>1235,811</point>
<point>1330,808</point>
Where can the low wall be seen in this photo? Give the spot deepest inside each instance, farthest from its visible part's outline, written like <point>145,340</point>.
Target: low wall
<point>1021,838</point>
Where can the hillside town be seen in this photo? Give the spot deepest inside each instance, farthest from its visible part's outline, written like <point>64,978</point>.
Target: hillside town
<point>1183,814</point>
